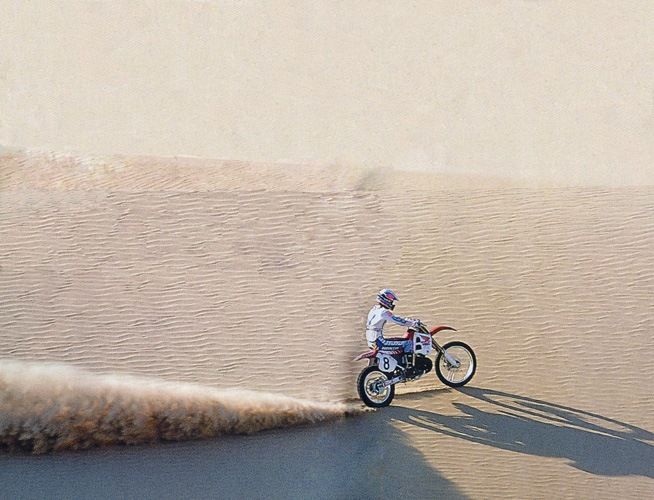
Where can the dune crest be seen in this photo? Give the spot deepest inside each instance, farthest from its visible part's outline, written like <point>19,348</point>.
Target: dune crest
<point>77,171</point>
<point>57,407</point>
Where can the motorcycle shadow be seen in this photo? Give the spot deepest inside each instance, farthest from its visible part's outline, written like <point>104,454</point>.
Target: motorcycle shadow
<point>591,442</point>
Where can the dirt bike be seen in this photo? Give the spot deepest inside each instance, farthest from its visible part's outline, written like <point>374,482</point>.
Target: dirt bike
<point>455,365</point>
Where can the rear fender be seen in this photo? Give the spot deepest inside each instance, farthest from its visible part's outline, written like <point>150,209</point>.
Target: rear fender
<point>366,355</point>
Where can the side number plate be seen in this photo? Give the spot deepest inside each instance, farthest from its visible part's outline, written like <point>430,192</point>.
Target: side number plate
<point>386,363</point>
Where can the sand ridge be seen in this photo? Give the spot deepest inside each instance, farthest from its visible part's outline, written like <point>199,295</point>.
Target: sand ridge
<point>75,171</point>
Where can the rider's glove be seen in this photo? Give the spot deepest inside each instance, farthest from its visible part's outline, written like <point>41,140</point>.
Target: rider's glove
<point>416,322</point>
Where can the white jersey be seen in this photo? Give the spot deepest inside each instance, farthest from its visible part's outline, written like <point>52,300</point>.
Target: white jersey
<point>377,317</point>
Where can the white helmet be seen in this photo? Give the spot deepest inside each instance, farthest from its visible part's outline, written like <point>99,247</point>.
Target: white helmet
<point>386,297</point>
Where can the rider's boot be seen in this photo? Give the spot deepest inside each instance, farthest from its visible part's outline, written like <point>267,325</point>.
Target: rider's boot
<point>409,360</point>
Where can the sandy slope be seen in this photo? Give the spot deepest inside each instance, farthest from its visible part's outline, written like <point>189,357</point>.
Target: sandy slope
<point>266,289</point>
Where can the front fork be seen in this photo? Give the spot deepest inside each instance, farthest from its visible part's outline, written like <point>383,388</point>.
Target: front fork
<point>448,357</point>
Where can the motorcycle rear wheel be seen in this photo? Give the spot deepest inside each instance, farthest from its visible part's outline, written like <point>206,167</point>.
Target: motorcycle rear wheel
<point>452,375</point>
<point>370,392</point>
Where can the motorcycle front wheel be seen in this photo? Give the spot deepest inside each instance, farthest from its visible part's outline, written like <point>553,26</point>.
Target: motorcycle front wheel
<point>370,388</point>
<point>461,371</point>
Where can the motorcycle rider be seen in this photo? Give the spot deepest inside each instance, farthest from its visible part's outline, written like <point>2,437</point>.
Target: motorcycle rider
<point>378,316</point>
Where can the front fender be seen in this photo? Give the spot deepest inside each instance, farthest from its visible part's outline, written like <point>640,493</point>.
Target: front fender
<point>434,331</point>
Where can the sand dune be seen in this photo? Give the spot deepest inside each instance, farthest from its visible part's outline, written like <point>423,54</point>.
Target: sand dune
<point>266,289</point>
<point>540,91</point>
<point>491,162</point>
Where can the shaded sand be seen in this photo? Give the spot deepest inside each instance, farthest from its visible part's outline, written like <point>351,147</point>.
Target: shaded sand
<point>353,458</point>
<point>267,289</point>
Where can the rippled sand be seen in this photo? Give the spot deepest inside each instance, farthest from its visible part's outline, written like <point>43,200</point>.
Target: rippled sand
<point>264,286</point>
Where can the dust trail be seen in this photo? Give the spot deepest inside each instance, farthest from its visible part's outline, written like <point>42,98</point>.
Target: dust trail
<point>47,408</point>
